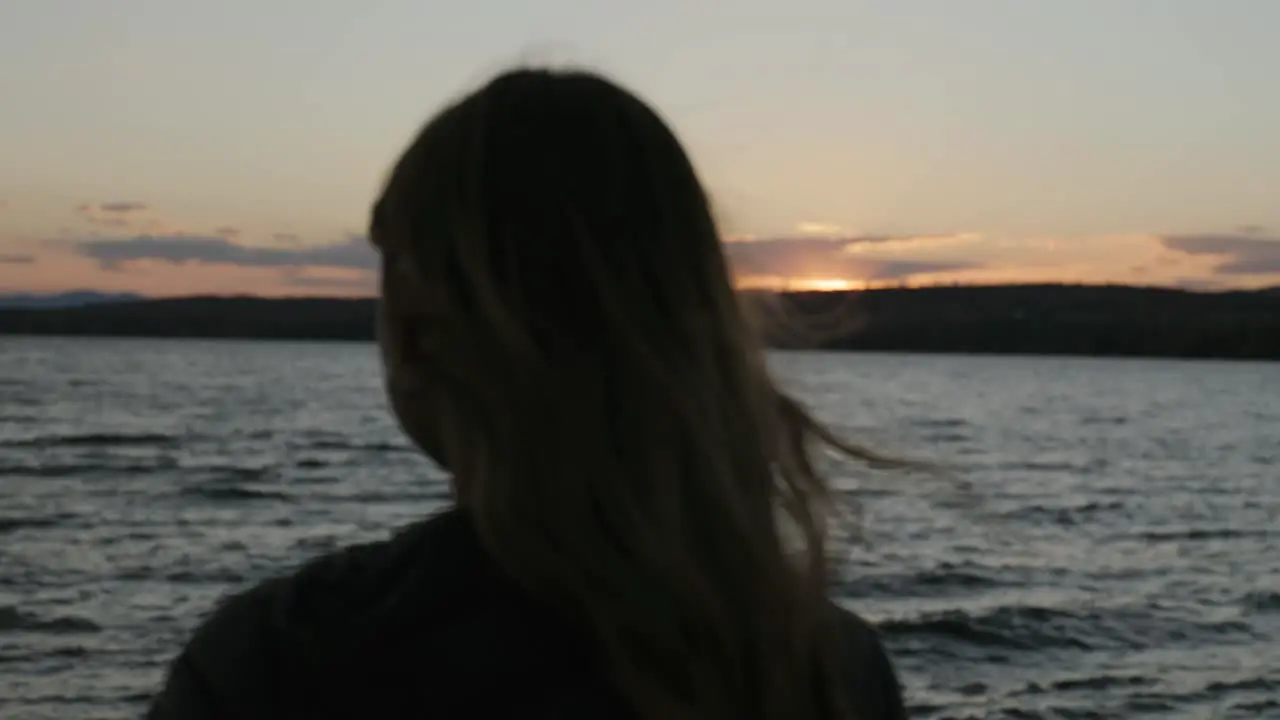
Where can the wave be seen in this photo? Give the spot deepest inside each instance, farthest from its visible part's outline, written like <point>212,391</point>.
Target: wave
<point>1028,628</point>
<point>94,440</point>
<point>946,438</point>
<point>229,474</point>
<point>1103,682</point>
<point>1045,466</point>
<point>935,582</point>
<point>1018,628</point>
<point>70,652</point>
<point>14,620</point>
<point>1261,684</point>
<point>232,493</point>
<point>1196,534</point>
<point>14,524</point>
<point>61,470</point>
<point>425,492</point>
<point>1255,709</point>
<point>223,576</point>
<point>1111,420</point>
<point>359,447</point>
<point>938,423</point>
<point>1064,516</point>
<point>318,479</point>
<point>1262,601</point>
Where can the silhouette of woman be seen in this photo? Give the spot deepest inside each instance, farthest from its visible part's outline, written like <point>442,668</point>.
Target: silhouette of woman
<point>640,525</point>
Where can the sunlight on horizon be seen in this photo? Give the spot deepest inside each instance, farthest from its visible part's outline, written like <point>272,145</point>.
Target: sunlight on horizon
<point>800,284</point>
<point>1129,147</point>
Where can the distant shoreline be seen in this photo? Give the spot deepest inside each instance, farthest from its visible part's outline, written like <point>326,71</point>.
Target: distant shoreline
<point>1105,321</point>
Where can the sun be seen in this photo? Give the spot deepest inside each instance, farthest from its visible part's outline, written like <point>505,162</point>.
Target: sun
<point>825,284</point>
<point>799,284</point>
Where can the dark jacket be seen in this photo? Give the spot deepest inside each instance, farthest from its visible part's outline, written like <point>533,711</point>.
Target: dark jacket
<point>420,626</point>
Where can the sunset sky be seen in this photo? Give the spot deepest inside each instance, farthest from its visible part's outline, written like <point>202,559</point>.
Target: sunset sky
<point>179,147</point>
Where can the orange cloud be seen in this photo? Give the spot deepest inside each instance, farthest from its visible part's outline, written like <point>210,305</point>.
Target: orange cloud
<point>1111,259</point>
<point>1200,261</point>
<point>819,228</point>
<point>861,259</point>
<point>176,262</point>
<point>913,244</point>
<point>157,257</point>
<point>1248,252</point>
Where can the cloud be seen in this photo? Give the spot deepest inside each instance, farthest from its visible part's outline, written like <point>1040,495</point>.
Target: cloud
<point>812,227</point>
<point>1244,253</point>
<point>353,253</point>
<point>359,284</point>
<point>286,237</point>
<point>912,244</point>
<point>17,259</point>
<point>850,257</point>
<point>796,257</point>
<point>897,269</point>
<point>118,214</point>
<point>227,231</point>
<point>119,207</point>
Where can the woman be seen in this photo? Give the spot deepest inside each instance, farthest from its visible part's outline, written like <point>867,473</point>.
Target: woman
<point>640,523</point>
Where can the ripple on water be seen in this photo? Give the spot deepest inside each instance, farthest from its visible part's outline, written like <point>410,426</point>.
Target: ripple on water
<point>1117,564</point>
<point>104,440</point>
<point>9,524</point>
<point>1262,601</point>
<point>1034,629</point>
<point>13,619</point>
<point>234,493</point>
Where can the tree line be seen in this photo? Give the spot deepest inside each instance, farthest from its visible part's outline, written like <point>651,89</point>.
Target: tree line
<point>1021,319</point>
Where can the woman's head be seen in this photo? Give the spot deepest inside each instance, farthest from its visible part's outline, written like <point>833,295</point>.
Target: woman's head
<point>560,330</point>
<point>539,233</point>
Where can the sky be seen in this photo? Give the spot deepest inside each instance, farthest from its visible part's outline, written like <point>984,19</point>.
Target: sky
<point>234,147</point>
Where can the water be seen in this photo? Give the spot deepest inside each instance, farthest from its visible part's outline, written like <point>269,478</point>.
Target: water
<point>1119,555</point>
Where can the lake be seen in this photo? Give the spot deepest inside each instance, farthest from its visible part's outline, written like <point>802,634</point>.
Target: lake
<point>1116,553</point>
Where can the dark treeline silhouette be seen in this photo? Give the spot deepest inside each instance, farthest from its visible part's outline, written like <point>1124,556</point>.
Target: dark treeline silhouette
<point>202,317</point>
<point>1020,319</point>
<point>1039,319</point>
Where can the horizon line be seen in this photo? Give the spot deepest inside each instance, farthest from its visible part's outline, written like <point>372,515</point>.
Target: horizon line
<point>783,289</point>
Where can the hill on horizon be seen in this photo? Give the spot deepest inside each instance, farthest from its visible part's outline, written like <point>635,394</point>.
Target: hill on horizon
<point>78,297</point>
<point>82,297</point>
<point>70,298</point>
<point>1017,319</point>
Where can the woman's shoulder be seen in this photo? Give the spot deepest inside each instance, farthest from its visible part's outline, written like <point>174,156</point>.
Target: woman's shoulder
<point>873,681</point>
<point>228,666</point>
<point>310,620</point>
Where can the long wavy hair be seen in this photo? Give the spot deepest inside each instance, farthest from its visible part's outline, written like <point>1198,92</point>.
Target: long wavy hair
<point>560,330</point>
